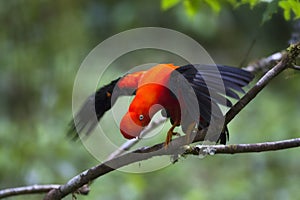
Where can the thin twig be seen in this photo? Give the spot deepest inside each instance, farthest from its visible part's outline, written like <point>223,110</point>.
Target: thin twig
<point>242,148</point>
<point>264,64</point>
<point>34,189</point>
<point>286,62</point>
<point>296,67</point>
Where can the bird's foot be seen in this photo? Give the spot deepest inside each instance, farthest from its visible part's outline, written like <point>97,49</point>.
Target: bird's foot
<point>170,134</point>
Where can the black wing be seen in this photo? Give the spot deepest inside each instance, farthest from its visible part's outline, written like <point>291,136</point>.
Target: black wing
<point>94,108</point>
<point>200,89</point>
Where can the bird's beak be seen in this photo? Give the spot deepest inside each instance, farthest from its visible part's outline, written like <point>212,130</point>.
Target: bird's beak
<point>129,128</point>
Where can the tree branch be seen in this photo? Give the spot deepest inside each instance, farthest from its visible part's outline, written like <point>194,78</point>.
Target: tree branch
<point>264,64</point>
<point>286,61</point>
<point>296,67</point>
<point>34,189</point>
<point>130,143</point>
<point>242,148</point>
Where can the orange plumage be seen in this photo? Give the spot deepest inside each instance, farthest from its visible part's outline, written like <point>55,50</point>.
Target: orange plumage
<point>180,91</point>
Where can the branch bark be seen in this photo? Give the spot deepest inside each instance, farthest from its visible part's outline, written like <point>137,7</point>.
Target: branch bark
<point>264,64</point>
<point>242,148</point>
<point>34,189</point>
<point>130,143</point>
<point>286,62</point>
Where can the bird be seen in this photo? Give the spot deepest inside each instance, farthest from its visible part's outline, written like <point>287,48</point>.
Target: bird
<point>190,95</point>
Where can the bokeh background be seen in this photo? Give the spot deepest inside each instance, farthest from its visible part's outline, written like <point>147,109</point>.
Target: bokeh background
<point>42,44</point>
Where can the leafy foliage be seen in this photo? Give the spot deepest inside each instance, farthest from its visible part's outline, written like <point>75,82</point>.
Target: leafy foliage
<point>291,8</point>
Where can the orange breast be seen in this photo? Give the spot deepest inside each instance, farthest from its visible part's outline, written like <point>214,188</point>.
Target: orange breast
<point>151,96</point>
<point>153,91</point>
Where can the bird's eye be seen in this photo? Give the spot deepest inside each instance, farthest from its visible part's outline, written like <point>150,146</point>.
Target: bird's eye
<point>141,117</point>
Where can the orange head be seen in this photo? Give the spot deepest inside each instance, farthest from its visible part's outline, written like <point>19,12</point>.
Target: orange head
<point>132,124</point>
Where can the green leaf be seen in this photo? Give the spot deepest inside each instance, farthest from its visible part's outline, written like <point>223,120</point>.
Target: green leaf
<point>191,7</point>
<point>286,6</point>
<point>232,2</point>
<point>296,8</point>
<point>289,7</point>
<point>214,4</point>
<point>167,4</point>
<point>270,10</point>
<point>252,3</point>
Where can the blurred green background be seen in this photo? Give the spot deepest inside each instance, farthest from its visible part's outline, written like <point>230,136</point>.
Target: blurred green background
<point>42,44</point>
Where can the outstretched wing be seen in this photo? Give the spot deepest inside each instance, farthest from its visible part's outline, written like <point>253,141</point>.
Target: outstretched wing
<point>101,101</point>
<point>200,90</point>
